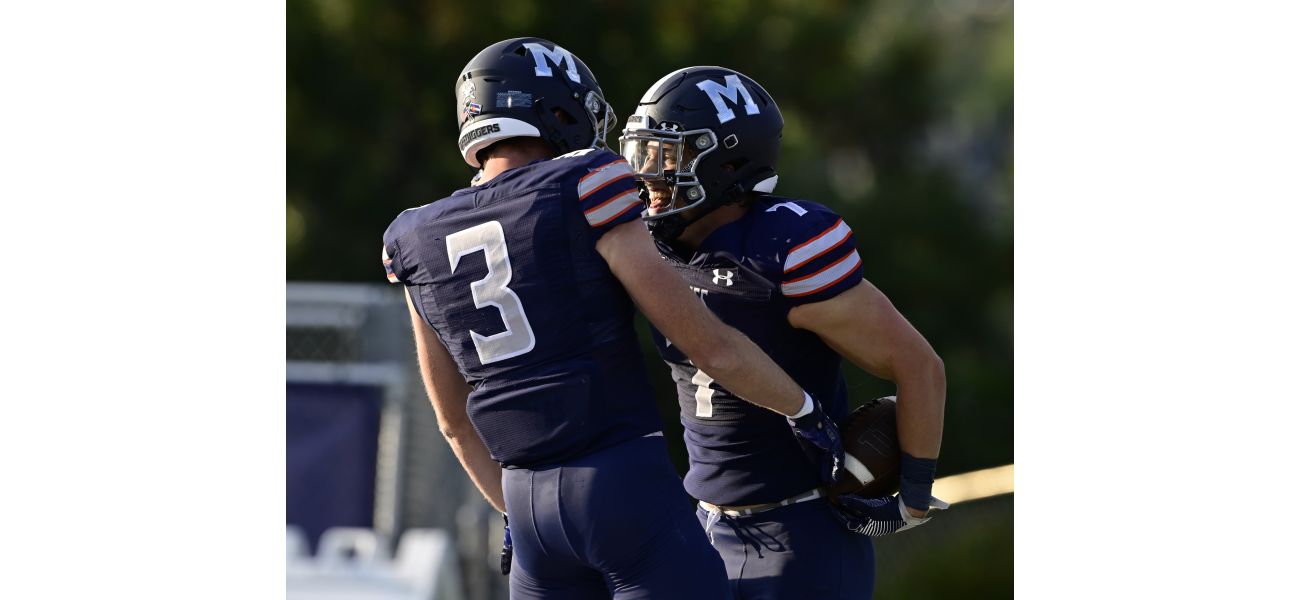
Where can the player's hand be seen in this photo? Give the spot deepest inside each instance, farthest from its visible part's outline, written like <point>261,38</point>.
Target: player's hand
<point>507,548</point>
<point>820,438</point>
<point>878,517</point>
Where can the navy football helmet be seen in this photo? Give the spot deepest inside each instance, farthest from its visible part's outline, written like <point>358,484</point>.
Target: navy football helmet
<point>708,134</point>
<point>530,87</point>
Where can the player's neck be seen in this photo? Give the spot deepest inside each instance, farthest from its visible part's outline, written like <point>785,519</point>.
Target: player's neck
<point>505,158</point>
<point>696,232</point>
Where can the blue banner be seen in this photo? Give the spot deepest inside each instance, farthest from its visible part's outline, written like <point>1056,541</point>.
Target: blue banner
<point>331,448</point>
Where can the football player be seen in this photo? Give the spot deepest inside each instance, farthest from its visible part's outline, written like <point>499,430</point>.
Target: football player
<point>785,272</point>
<point>521,290</point>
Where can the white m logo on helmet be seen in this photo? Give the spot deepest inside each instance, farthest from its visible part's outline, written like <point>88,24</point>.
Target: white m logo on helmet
<point>559,56</point>
<point>734,91</point>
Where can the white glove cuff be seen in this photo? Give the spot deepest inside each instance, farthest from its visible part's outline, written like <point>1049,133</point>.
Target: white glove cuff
<point>807,407</point>
<point>909,521</point>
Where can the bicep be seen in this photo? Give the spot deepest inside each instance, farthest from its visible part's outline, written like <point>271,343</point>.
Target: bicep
<point>862,325</point>
<point>661,294</point>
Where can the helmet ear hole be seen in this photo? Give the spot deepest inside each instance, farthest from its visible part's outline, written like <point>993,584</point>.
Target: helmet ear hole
<point>564,116</point>
<point>735,165</point>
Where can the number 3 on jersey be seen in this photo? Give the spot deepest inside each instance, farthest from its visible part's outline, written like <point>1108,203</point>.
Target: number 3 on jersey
<point>518,338</point>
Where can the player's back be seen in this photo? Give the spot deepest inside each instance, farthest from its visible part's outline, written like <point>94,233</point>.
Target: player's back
<point>508,276</point>
<point>781,253</point>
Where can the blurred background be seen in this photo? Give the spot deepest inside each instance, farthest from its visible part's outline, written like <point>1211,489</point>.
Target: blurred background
<point>899,116</point>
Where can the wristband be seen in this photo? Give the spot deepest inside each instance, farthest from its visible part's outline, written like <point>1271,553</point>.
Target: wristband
<point>805,409</point>
<point>916,477</point>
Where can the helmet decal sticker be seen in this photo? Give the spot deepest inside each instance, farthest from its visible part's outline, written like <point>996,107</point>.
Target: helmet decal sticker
<point>559,57</point>
<point>733,91</point>
<point>514,99</point>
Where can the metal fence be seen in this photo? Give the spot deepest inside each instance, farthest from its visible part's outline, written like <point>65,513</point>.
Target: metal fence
<point>361,334</point>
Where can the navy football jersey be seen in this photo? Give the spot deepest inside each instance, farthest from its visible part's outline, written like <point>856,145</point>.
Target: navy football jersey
<point>508,276</point>
<point>783,252</point>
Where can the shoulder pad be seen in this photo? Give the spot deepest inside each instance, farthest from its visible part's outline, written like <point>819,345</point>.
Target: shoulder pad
<point>576,153</point>
<point>816,249</point>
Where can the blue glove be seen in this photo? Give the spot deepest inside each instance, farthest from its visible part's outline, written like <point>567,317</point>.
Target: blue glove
<point>878,517</point>
<point>507,548</point>
<point>820,438</point>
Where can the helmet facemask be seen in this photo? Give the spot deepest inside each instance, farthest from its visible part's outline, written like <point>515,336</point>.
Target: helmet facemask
<point>664,158</point>
<point>603,119</point>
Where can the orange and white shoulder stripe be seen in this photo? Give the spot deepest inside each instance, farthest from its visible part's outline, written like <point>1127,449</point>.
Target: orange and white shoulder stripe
<point>820,244</point>
<point>825,278</point>
<point>602,176</point>
<point>620,204</point>
<point>388,266</point>
<point>613,208</point>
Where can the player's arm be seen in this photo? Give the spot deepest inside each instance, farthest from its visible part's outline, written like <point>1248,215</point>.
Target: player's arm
<point>862,325</point>
<point>723,353</point>
<point>609,200</point>
<point>448,392</point>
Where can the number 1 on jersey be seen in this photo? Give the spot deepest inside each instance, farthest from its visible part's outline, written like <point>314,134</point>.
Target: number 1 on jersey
<point>703,393</point>
<point>490,239</point>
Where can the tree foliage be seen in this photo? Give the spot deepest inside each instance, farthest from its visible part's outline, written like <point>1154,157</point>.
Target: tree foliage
<point>898,116</point>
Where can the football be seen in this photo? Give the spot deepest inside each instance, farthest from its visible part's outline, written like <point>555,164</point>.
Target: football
<point>871,452</point>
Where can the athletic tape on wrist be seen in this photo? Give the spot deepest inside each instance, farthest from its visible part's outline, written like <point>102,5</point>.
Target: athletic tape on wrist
<point>916,478</point>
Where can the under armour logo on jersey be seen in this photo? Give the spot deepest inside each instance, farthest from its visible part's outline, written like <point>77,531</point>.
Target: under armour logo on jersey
<point>559,56</point>
<point>733,91</point>
<point>723,275</point>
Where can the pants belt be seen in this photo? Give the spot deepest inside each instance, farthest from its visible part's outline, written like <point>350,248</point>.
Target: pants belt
<point>753,509</point>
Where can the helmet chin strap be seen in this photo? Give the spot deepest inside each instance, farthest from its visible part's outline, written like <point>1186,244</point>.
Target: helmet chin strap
<point>665,229</point>
<point>668,228</point>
